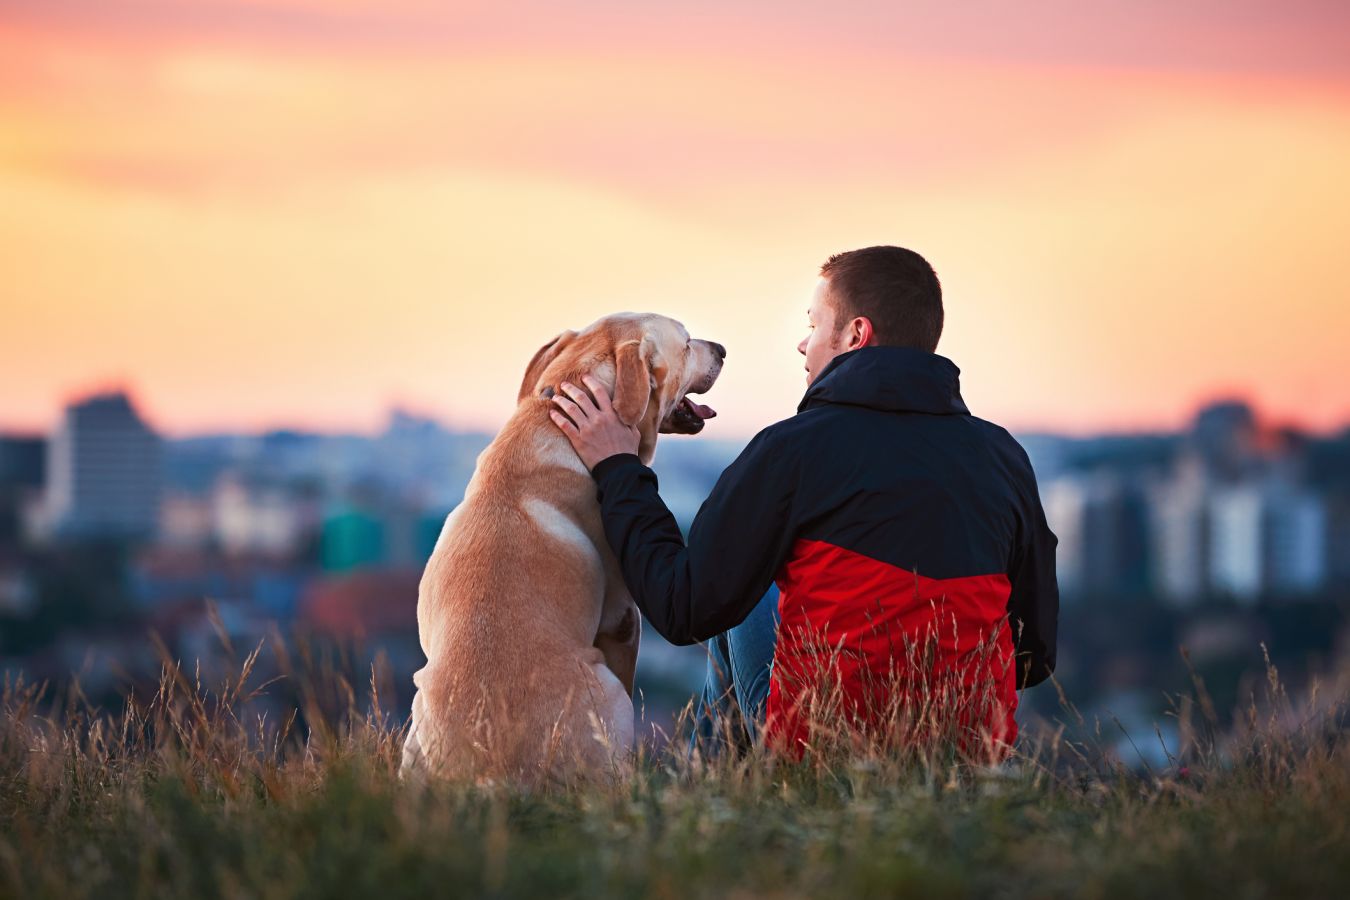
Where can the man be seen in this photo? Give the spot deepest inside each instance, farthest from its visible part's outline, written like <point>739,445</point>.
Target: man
<point>906,536</point>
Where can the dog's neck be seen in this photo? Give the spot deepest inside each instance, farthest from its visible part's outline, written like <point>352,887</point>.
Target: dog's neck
<point>604,373</point>
<point>647,427</point>
<point>555,449</point>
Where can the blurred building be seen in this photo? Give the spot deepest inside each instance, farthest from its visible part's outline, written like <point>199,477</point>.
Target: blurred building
<point>1101,522</point>
<point>374,604</point>
<point>1338,540</point>
<point>1226,438</point>
<point>263,516</point>
<point>374,601</point>
<point>22,460</point>
<point>165,577</point>
<point>1269,539</point>
<point>104,471</point>
<point>352,538</point>
<point>1236,564</point>
<point>22,474</point>
<point>18,595</point>
<point>185,520</point>
<point>1296,534</point>
<point>1179,520</point>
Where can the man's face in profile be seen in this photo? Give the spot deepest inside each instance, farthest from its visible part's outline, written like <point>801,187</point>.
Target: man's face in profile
<point>824,340</point>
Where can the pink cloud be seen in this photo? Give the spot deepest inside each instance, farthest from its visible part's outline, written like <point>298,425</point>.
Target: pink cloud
<point>1304,37</point>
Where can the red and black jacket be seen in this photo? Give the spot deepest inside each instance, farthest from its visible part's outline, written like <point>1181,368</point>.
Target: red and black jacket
<point>882,509</point>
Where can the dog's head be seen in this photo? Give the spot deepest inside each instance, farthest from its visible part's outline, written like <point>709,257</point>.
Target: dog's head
<point>650,362</point>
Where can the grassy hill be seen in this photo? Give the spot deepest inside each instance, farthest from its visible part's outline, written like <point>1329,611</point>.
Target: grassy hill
<point>183,795</point>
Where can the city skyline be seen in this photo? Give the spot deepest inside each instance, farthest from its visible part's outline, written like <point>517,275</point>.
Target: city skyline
<point>384,417</point>
<point>1230,507</point>
<point>280,211</point>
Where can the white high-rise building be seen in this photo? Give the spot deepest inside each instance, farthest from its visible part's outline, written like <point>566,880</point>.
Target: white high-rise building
<point>1065,503</point>
<point>1268,537</point>
<point>104,471</point>
<point>1180,537</point>
<point>1237,564</point>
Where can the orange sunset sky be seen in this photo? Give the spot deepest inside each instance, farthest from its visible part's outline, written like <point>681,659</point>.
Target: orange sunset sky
<point>296,212</point>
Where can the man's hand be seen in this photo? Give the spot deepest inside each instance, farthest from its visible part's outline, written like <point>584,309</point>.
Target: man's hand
<point>593,427</point>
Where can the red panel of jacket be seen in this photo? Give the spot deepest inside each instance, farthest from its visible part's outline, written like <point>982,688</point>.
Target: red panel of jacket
<point>907,657</point>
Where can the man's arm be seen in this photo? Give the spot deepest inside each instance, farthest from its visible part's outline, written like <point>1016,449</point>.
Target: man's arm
<point>739,539</point>
<point>1033,605</point>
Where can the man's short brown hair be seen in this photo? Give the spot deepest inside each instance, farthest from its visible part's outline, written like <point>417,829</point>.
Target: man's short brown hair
<point>896,288</point>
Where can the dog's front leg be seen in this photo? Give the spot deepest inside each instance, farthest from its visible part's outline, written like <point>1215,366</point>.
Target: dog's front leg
<point>620,632</point>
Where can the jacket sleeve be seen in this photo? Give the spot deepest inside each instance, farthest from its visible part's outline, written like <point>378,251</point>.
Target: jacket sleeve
<point>739,539</point>
<point>1033,605</point>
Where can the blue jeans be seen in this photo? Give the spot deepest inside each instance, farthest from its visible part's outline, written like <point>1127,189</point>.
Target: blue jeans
<point>731,708</point>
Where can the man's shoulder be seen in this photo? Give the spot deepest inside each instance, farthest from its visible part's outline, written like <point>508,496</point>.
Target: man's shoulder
<point>1003,443</point>
<point>775,446</point>
<point>790,431</point>
<point>769,438</point>
<point>994,431</point>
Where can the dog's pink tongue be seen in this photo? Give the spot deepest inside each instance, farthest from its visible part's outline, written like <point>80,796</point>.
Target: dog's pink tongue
<point>703,412</point>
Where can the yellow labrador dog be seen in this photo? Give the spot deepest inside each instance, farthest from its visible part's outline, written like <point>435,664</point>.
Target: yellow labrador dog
<point>530,635</point>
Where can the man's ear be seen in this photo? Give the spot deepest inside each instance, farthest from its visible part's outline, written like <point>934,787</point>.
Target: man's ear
<point>632,381</point>
<point>535,370</point>
<point>860,333</point>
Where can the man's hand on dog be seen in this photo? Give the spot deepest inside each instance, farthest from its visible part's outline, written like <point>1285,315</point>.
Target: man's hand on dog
<point>592,425</point>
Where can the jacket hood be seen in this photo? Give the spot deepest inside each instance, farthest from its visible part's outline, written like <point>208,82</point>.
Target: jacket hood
<point>895,379</point>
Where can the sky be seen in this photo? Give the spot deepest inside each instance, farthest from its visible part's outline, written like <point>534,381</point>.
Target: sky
<point>298,213</point>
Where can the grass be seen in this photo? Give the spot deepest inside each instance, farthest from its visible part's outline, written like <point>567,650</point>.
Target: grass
<point>183,794</point>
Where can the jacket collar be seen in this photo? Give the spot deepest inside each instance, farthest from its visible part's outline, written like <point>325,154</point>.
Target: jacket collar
<point>895,379</point>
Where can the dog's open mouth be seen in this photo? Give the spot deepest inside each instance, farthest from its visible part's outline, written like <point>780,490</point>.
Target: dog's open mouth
<point>687,417</point>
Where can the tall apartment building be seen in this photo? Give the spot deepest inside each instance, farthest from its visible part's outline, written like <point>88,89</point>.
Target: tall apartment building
<point>1298,543</point>
<point>104,471</point>
<point>1237,560</point>
<point>1268,538</point>
<point>1103,533</point>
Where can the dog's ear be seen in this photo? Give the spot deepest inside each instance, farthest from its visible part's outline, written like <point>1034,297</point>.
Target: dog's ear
<point>547,353</point>
<point>632,380</point>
